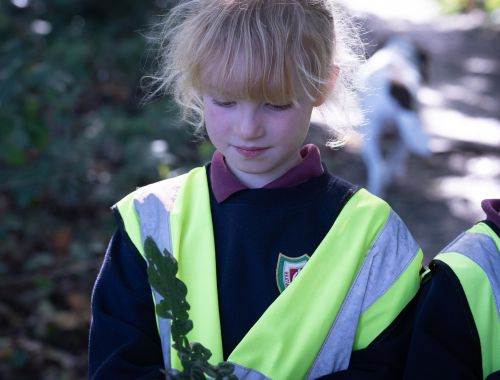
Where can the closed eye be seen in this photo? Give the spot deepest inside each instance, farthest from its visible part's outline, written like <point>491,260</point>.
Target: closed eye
<point>224,104</point>
<point>280,107</point>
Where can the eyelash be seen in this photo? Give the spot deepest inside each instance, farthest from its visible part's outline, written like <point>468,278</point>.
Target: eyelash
<point>276,107</point>
<point>223,104</point>
<point>281,107</point>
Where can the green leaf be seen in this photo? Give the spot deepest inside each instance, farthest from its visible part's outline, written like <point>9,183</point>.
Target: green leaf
<point>181,327</point>
<point>200,351</point>
<point>225,369</point>
<point>163,309</point>
<point>211,372</point>
<point>162,270</point>
<point>197,374</point>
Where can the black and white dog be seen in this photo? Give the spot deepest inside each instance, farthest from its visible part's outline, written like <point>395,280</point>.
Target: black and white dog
<point>392,78</point>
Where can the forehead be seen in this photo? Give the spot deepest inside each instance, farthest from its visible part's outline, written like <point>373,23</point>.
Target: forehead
<point>246,77</point>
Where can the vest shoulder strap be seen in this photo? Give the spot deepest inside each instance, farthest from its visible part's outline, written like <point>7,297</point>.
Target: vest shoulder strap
<point>480,245</point>
<point>386,281</point>
<point>146,212</point>
<point>158,197</point>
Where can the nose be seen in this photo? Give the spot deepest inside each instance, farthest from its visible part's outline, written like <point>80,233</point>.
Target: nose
<point>250,123</point>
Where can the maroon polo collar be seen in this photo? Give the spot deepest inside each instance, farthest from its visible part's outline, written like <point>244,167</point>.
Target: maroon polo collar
<point>492,209</point>
<point>225,183</point>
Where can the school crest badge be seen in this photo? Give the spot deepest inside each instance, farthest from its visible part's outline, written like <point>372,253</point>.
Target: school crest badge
<point>288,268</point>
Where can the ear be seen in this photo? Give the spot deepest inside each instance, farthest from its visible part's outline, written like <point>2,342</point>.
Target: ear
<point>327,87</point>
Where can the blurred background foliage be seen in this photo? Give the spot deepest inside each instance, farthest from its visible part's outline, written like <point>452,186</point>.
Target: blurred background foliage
<point>454,6</point>
<point>74,138</point>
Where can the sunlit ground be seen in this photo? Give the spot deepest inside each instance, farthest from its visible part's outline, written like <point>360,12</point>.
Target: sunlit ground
<point>455,112</point>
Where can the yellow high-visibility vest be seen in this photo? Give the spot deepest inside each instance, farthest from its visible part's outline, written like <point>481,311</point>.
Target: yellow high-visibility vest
<point>361,276</point>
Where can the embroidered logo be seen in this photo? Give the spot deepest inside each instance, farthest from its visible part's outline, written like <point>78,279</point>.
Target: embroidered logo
<point>288,268</point>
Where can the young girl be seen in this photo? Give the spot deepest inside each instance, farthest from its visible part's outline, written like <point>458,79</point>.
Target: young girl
<point>291,271</point>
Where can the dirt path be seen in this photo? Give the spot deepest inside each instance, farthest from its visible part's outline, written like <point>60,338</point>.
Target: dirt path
<point>440,196</point>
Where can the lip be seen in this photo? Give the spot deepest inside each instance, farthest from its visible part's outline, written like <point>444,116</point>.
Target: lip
<point>250,151</point>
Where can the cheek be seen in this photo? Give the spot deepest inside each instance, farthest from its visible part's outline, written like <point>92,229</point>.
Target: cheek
<point>214,117</point>
<point>296,124</point>
<point>214,124</point>
<point>209,113</point>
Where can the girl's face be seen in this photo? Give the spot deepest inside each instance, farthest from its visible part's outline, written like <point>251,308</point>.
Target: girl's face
<point>259,141</point>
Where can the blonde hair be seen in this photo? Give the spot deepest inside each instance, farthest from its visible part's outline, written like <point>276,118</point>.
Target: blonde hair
<point>259,50</point>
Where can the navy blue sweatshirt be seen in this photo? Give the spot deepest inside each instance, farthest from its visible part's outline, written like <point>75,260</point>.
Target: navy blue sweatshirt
<point>124,341</point>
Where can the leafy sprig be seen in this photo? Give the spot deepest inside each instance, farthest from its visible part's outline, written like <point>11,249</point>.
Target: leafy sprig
<point>162,270</point>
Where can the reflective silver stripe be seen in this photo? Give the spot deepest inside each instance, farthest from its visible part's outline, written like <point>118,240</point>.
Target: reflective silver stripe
<point>392,252</point>
<point>481,249</point>
<point>248,373</point>
<point>153,204</point>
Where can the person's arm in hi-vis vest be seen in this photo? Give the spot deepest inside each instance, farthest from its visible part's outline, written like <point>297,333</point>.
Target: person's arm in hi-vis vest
<point>445,340</point>
<point>457,324</point>
<point>124,341</point>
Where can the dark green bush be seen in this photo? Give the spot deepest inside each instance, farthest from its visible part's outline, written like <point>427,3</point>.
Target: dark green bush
<point>74,139</point>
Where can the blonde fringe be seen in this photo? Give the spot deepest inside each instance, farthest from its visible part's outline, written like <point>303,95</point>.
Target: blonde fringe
<point>205,43</point>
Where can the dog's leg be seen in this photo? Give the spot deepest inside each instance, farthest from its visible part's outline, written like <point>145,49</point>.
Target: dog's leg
<point>412,133</point>
<point>396,161</point>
